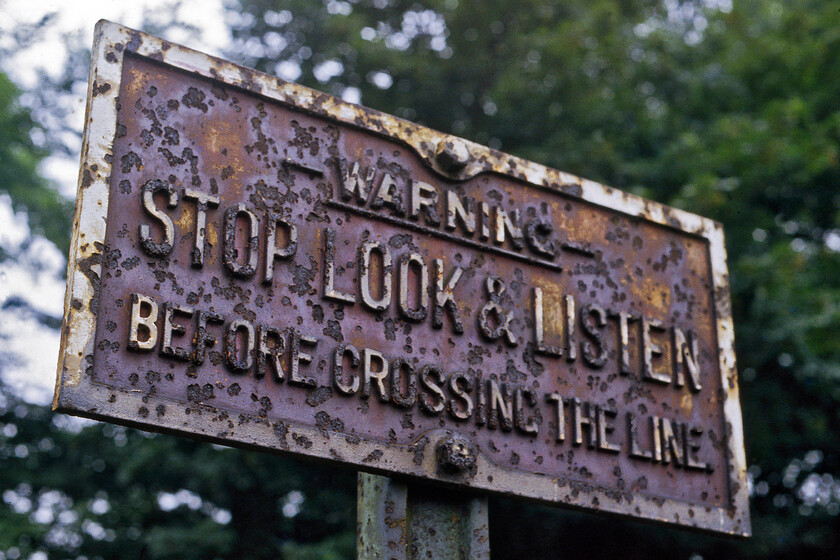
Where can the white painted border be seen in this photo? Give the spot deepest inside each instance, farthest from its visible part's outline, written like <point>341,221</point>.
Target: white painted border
<point>76,393</point>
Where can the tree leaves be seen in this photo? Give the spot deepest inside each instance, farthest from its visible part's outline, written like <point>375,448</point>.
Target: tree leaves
<point>49,213</point>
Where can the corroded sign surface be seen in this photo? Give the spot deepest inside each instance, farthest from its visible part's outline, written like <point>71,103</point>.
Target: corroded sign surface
<point>260,264</point>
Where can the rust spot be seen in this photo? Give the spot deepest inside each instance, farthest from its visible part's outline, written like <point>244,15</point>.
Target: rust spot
<point>374,455</point>
<point>194,99</point>
<point>87,179</point>
<point>99,89</point>
<point>135,41</point>
<point>302,441</point>
<point>325,423</point>
<point>198,393</point>
<point>318,396</point>
<point>129,161</point>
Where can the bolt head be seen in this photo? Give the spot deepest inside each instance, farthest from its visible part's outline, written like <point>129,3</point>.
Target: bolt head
<point>456,454</point>
<point>452,155</point>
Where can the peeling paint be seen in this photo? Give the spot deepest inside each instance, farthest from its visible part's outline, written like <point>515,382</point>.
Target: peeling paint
<point>539,332</point>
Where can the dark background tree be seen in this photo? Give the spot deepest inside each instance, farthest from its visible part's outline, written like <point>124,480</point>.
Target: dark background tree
<point>49,214</point>
<point>727,111</point>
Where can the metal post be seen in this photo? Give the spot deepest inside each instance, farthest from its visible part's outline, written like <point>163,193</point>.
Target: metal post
<point>410,521</point>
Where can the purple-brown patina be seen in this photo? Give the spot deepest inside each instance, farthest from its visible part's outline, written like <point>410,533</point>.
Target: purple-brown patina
<point>524,331</point>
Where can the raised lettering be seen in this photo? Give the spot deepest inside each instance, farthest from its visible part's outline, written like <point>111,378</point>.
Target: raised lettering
<point>402,369</point>
<point>650,350</point>
<point>673,438</point>
<point>456,212</point>
<point>356,181</point>
<point>521,397</point>
<point>230,253</point>
<point>422,287</point>
<point>571,344</point>
<point>424,198</point>
<point>539,329</point>
<point>431,400</point>
<point>147,198</point>
<point>268,353</point>
<point>203,202</point>
<point>655,436</point>
<point>344,387</point>
<point>510,223</point>
<point>605,428</point>
<point>170,327</point>
<point>444,297</point>
<point>636,450</point>
<point>537,232</point>
<point>460,406</point>
<point>685,354</point>
<point>484,212</point>
<point>272,251</point>
<point>365,265</point>
<point>330,293</point>
<point>203,339</point>
<point>143,332</point>
<point>369,374</point>
<point>500,410</point>
<point>500,325</point>
<point>300,357</point>
<point>624,319</point>
<point>239,359</point>
<point>559,415</point>
<point>593,318</point>
<point>388,194</point>
<point>582,418</point>
<point>692,446</point>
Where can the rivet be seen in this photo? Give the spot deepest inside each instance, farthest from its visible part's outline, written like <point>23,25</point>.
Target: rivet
<point>452,155</point>
<point>456,454</point>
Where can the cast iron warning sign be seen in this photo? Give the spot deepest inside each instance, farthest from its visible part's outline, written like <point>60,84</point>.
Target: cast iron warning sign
<point>260,264</point>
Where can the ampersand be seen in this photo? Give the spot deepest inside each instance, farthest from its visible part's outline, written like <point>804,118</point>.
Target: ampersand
<point>495,289</point>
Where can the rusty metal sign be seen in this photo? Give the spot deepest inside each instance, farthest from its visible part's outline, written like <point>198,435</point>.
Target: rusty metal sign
<point>260,264</point>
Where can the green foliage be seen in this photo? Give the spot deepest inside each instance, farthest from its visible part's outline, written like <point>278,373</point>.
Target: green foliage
<point>110,492</point>
<point>49,213</point>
